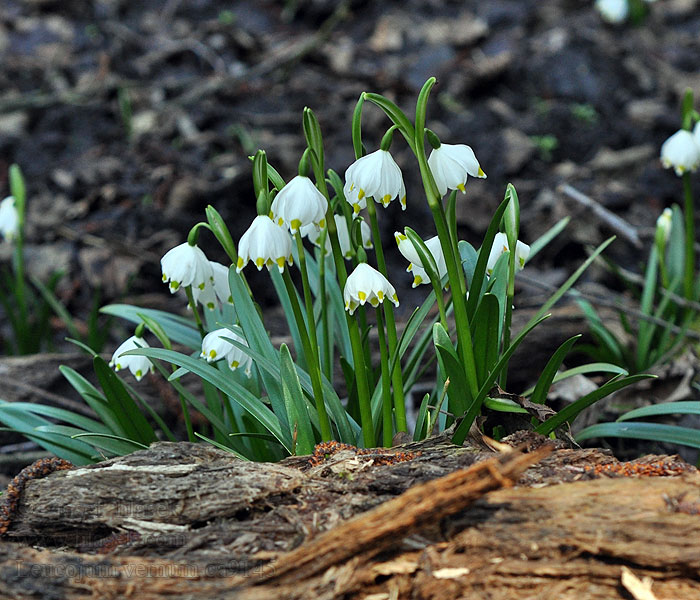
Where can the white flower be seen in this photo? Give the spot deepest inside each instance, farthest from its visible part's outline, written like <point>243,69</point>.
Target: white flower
<point>138,365</point>
<point>218,291</point>
<point>681,151</point>
<point>366,284</point>
<point>613,11</point>
<point>415,265</point>
<point>266,244</point>
<point>187,265</point>
<point>215,347</point>
<point>341,226</point>
<point>500,245</point>
<point>9,219</point>
<point>298,204</point>
<point>696,133</point>
<point>375,175</point>
<point>450,165</point>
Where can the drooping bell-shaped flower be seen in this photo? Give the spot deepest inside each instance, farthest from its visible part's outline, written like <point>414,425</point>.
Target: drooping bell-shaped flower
<point>138,365</point>
<point>375,175</point>
<point>9,219</point>
<point>215,346</point>
<point>366,284</point>
<point>500,245</point>
<point>299,204</point>
<point>451,164</point>
<point>681,151</point>
<point>185,265</point>
<point>613,11</point>
<point>415,265</point>
<point>266,244</point>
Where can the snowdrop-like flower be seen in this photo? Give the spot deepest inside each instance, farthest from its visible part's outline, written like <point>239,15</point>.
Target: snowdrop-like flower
<point>696,133</point>
<point>299,204</point>
<point>9,219</point>
<point>450,165</point>
<point>341,226</point>
<point>613,11</point>
<point>138,365</point>
<point>375,175</point>
<point>415,265</point>
<point>186,265</point>
<point>266,244</point>
<point>218,292</point>
<point>681,151</point>
<point>216,347</point>
<point>500,245</point>
<point>366,284</point>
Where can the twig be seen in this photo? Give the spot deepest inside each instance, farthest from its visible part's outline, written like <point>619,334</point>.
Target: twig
<point>616,223</point>
<point>388,523</point>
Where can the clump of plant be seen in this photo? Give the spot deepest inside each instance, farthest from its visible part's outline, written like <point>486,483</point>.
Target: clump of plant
<point>669,299</point>
<point>318,237</point>
<point>28,303</point>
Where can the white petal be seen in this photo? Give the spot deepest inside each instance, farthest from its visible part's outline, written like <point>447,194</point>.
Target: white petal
<point>9,218</point>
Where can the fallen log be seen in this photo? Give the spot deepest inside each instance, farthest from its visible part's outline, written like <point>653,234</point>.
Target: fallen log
<point>187,520</point>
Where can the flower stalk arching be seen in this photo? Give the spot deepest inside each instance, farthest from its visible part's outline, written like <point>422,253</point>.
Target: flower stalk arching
<point>465,346</point>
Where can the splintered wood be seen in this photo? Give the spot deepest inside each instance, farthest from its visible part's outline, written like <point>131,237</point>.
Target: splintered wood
<point>184,520</point>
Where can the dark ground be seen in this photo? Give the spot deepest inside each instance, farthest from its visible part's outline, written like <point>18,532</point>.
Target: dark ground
<point>209,82</point>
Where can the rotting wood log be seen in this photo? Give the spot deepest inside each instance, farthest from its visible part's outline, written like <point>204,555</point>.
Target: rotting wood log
<point>187,520</point>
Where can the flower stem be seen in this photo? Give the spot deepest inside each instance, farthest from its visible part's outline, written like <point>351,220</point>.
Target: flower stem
<point>510,294</point>
<point>325,328</point>
<point>689,237</point>
<point>195,310</point>
<point>363,393</point>
<point>396,376</point>
<point>387,416</point>
<point>311,355</point>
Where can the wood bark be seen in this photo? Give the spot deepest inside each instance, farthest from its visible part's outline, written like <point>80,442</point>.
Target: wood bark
<point>189,521</point>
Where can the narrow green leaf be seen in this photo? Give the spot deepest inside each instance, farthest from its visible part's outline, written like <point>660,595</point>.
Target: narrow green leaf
<point>130,417</point>
<point>297,410</point>
<point>570,412</point>
<point>458,393</point>
<point>542,241</point>
<point>597,367</point>
<point>656,432</point>
<point>179,329</point>
<point>539,396</point>
<point>687,407</point>
<point>227,385</point>
<point>486,336</point>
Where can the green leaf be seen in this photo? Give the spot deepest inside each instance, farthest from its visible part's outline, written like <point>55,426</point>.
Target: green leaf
<point>258,339</point>
<point>462,430</point>
<point>21,421</point>
<point>539,396</point>
<point>597,367</point>
<point>297,412</point>
<point>656,432</point>
<point>547,237</point>
<point>131,419</point>
<point>503,405</point>
<point>458,393</point>
<point>220,446</point>
<point>94,399</point>
<point>61,414</point>
<point>665,408</point>
<point>479,278</point>
<point>486,336</point>
<point>469,257</point>
<point>570,412</point>
<point>237,392</point>
<point>179,329</point>
<point>111,443</point>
